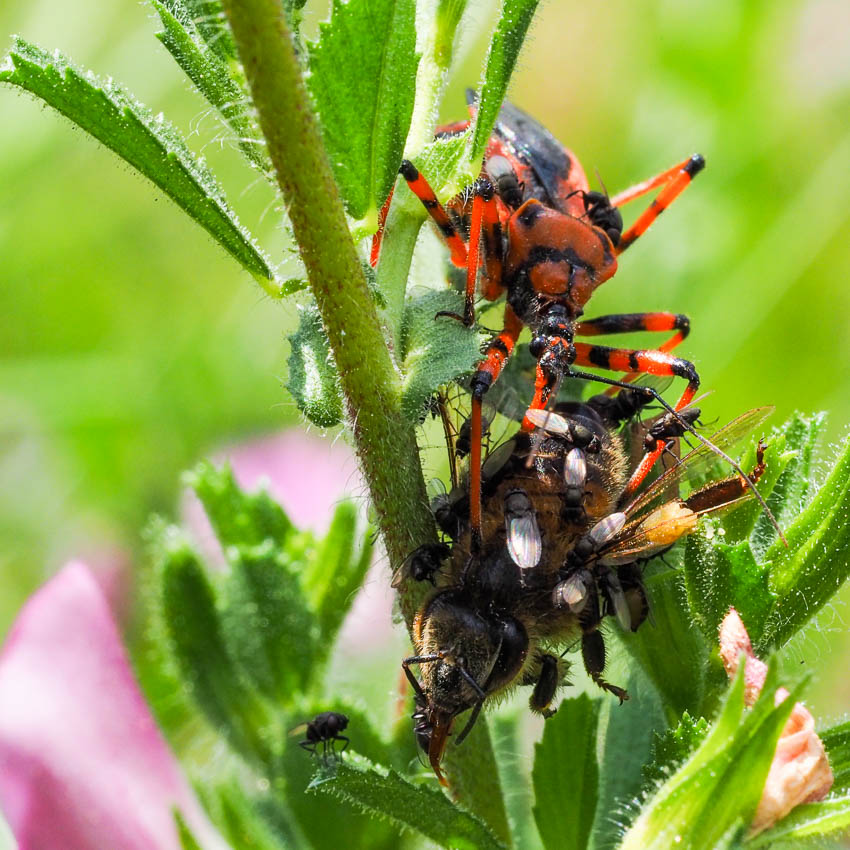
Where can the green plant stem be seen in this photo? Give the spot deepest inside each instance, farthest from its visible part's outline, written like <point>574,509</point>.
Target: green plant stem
<point>385,443</point>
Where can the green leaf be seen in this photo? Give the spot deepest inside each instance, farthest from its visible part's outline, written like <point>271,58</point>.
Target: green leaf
<point>625,735</point>
<point>198,646</point>
<point>436,351</point>
<point>714,795</point>
<point>208,16</point>
<point>238,518</point>
<point>811,820</point>
<point>505,45</point>
<point>740,522</point>
<point>313,379</point>
<point>671,748</point>
<point>336,571</point>
<point>837,743</point>
<point>386,794</point>
<point>805,575</point>
<point>474,778</point>
<point>362,76</point>
<point>147,142</point>
<point>184,833</point>
<point>212,75</point>
<point>719,576</point>
<point>564,810</point>
<point>678,676</point>
<point>796,484</point>
<point>509,738</point>
<point>330,823</point>
<point>236,816</point>
<point>267,626</point>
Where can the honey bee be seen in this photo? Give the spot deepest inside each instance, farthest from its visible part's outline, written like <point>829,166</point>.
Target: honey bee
<point>561,548</point>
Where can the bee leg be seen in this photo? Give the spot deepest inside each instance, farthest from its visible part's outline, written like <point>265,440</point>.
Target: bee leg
<point>310,746</point>
<point>548,681</point>
<point>593,653</point>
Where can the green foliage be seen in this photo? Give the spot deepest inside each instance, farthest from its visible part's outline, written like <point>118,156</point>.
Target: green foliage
<point>198,644</point>
<point>313,380</point>
<point>812,821</point>
<point>147,142</point>
<point>777,589</point>
<point>251,642</point>
<point>362,74</point>
<point>436,351</point>
<point>672,747</point>
<point>238,518</point>
<point>514,21</point>
<point>213,76</point>
<point>564,810</point>
<point>390,796</point>
<point>837,743</point>
<point>715,793</point>
<point>208,17</point>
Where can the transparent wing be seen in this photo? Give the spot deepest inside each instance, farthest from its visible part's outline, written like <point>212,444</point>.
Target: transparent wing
<point>654,532</point>
<point>694,464</point>
<point>524,543</point>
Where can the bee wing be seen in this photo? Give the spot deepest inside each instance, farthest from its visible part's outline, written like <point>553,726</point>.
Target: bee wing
<point>299,730</point>
<point>524,542</point>
<point>696,461</point>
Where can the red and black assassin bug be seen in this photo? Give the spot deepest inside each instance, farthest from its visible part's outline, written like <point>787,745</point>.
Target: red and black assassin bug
<point>537,234</point>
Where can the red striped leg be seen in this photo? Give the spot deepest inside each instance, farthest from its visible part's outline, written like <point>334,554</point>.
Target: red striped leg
<point>631,322</point>
<point>651,362</point>
<point>419,186</point>
<point>496,355</point>
<point>674,181</point>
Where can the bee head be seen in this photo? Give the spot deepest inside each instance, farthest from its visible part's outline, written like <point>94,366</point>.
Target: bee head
<point>494,651</point>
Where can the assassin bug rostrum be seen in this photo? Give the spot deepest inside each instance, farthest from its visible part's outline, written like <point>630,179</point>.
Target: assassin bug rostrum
<point>538,235</point>
<point>547,574</point>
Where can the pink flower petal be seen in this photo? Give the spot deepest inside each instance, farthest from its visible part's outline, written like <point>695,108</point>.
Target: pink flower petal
<point>308,475</point>
<point>799,772</point>
<point>82,763</point>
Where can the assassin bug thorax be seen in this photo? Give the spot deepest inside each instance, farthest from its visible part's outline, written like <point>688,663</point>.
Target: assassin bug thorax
<point>538,235</point>
<point>546,574</point>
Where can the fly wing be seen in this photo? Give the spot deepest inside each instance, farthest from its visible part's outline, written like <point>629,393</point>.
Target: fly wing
<point>524,543</point>
<point>695,464</point>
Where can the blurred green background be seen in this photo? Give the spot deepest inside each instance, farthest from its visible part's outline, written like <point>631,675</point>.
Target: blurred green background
<point>131,345</point>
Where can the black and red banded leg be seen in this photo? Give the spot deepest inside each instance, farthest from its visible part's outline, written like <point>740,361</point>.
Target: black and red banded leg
<point>649,362</point>
<point>674,181</point>
<point>631,322</point>
<point>495,356</point>
<point>419,186</point>
<point>483,222</point>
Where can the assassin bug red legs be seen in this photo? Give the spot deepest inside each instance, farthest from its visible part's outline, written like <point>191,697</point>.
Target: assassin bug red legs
<point>547,243</point>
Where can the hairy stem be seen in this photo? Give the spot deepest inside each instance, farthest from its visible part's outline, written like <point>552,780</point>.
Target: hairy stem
<point>385,443</point>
